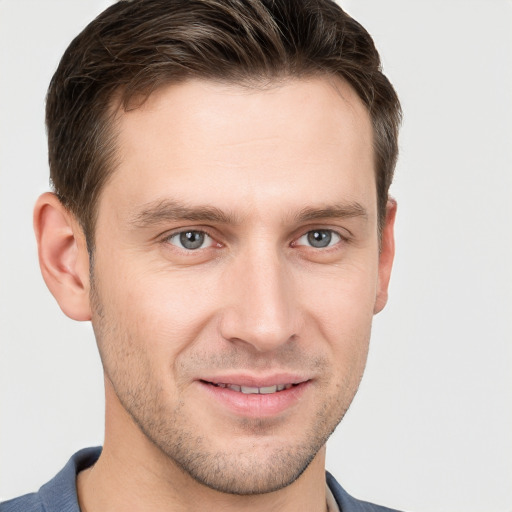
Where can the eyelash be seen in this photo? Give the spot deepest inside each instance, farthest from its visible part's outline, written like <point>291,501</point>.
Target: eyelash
<point>329,233</point>
<point>179,234</point>
<point>325,232</point>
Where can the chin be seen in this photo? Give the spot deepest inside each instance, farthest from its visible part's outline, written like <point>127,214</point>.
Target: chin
<point>246,463</point>
<point>248,473</point>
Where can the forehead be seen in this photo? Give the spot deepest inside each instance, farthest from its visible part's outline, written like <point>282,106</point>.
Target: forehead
<point>246,147</point>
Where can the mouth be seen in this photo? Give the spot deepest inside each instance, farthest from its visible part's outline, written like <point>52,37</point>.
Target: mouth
<point>253,390</point>
<point>254,397</point>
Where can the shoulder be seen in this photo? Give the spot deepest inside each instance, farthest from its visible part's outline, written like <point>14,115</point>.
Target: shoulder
<point>59,494</point>
<point>347,503</point>
<point>27,503</point>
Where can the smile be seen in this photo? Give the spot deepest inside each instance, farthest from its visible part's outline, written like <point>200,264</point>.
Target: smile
<point>255,397</point>
<point>249,390</point>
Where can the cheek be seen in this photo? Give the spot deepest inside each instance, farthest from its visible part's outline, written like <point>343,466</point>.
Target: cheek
<point>343,296</point>
<point>342,311</point>
<point>161,312</point>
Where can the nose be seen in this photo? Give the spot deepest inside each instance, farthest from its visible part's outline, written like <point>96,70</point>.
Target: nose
<point>262,308</point>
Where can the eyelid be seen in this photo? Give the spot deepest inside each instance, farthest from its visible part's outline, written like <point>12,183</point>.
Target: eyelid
<point>343,234</point>
<point>166,238</point>
<point>336,238</point>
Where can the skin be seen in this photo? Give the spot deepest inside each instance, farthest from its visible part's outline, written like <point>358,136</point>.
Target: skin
<point>257,170</point>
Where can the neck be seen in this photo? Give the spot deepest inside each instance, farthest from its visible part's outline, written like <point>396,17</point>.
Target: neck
<point>133,474</point>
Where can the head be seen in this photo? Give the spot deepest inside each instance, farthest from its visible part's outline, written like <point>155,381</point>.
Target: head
<point>221,215</point>
<point>135,47</point>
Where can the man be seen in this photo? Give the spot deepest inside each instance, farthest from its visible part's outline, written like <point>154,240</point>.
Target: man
<point>221,214</point>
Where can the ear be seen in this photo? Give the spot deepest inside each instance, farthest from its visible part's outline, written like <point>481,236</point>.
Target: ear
<point>386,256</point>
<point>63,256</point>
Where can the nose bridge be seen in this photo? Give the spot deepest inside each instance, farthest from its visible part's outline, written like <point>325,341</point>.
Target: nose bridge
<point>262,310</point>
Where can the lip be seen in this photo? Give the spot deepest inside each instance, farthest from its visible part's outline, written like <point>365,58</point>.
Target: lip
<point>258,381</point>
<point>255,405</point>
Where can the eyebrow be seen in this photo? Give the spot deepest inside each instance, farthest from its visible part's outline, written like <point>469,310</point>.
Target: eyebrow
<point>336,211</point>
<point>169,210</point>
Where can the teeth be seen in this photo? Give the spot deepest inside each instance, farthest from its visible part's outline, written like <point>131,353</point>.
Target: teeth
<point>269,389</point>
<point>249,390</point>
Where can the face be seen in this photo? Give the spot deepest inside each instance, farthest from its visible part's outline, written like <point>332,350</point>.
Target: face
<point>236,273</point>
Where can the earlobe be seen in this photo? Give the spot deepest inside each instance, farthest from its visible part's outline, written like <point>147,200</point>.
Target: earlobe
<point>386,256</point>
<point>63,256</point>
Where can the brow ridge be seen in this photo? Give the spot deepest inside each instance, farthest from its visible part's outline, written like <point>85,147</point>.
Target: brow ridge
<point>171,210</point>
<point>336,211</point>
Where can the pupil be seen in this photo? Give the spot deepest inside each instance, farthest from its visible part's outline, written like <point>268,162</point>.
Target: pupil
<point>319,238</point>
<point>192,239</point>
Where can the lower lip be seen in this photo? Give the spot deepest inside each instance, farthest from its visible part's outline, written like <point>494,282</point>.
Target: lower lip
<point>256,405</point>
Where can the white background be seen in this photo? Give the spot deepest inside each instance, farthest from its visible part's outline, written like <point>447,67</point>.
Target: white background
<point>431,428</point>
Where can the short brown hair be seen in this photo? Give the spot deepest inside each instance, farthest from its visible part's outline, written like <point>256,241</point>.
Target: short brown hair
<point>136,46</point>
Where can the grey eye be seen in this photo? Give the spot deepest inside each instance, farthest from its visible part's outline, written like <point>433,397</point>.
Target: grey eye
<point>319,238</point>
<point>190,240</point>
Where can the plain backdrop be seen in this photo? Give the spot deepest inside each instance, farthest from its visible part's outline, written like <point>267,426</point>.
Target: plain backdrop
<point>431,428</point>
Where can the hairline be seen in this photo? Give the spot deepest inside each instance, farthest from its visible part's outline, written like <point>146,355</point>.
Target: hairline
<point>121,103</point>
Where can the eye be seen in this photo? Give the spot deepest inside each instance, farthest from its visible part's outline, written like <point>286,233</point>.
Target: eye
<point>319,238</point>
<point>191,240</point>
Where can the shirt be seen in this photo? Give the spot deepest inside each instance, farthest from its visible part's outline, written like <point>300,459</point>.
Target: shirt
<point>59,494</point>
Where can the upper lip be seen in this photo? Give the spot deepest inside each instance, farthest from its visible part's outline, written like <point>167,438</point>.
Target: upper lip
<point>255,381</point>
